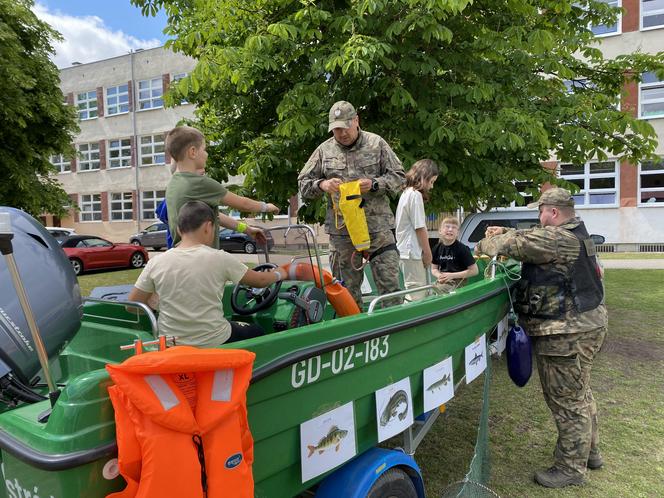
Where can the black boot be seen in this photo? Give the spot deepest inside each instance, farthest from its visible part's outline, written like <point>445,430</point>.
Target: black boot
<point>556,477</point>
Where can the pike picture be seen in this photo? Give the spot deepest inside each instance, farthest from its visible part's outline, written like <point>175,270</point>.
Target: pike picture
<point>476,359</point>
<point>439,383</point>
<point>391,410</point>
<point>333,438</point>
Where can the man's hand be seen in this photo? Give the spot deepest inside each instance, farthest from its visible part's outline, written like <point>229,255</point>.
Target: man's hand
<point>427,258</point>
<point>271,208</point>
<point>492,231</point>
<point>332,185</point>
<point>365,185</point>
<point>258,234</point>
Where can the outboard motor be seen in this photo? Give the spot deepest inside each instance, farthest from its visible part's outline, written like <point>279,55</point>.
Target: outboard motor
<point>53,294</point>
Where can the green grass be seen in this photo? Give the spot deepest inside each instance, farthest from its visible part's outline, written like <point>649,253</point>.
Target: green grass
<point>631,255</point>
<point>89,281</point>
<point>628,384</point>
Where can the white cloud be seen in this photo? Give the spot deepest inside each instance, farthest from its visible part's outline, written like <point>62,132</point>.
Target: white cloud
<point>87,38</point>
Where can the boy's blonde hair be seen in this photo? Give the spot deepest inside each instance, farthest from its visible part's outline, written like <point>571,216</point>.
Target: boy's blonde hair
<point>180,138</point>
<point>450,220</point>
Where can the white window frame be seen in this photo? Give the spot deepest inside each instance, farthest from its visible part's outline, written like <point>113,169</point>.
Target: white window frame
<point>86,154</point>
<point>62,165</point>
<point>113,101</point>
<point>618,31</point>
<point>642,101</point>
<point>150,94</point>
<point>642,14</point>
<point>124,153</point>
<point>149,152</point>
<point>175,77</point>
<point>586,191</point>
<point>125,201</point>
<point>89,103</point>
<point>90,205</point>
<point>640,190</point>
<point>154,197</point>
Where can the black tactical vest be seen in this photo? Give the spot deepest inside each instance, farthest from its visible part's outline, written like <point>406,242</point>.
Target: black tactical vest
<point>544,290</point>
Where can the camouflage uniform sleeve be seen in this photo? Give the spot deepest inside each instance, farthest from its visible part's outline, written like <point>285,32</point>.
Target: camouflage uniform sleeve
<point>308,178</point>
<point>393,178</point>
<point>534,245</point>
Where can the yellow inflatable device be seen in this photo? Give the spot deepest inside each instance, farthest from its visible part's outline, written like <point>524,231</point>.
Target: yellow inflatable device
<point>350,205</point>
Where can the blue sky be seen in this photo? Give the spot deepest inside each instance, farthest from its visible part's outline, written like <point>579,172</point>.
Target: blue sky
<point>99,29</point>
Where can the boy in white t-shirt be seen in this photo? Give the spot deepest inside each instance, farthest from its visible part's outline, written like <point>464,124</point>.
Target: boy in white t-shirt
<point>411,229</point>
<point>190,281</point>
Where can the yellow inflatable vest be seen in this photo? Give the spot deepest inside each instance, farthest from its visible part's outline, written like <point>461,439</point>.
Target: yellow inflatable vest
<point>350,205</point>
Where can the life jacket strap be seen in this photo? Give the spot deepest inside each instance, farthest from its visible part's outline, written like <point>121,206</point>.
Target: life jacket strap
<point>198,442</point>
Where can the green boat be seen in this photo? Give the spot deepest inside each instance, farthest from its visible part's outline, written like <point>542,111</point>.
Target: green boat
<point>302,370</point>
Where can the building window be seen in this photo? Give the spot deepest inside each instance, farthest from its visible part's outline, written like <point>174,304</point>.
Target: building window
<point>90,207</point>
<point>651,182</point>
<point>121,206</point>
<point>652,14</point>
<point>596,180</point>
<point>150,199</point>
<point>89,156</point>
<point>61,164</point>
<point>177,77</point>
<point>651,96</point>
<point>152,150</point>
<point>86,105</point>
<point>117,100</point>
<point>119,153</point>
<point>150,93</point>
<point>606,29</point>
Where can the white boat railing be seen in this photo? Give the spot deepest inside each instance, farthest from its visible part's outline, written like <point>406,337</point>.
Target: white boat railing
<point>414,290</point>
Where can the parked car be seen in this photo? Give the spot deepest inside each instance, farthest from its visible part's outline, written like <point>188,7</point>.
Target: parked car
<point>230,240</point>
<point>153,236</point>
<point>60,233</point>
<point>89,252</point>
<point>474,225</point>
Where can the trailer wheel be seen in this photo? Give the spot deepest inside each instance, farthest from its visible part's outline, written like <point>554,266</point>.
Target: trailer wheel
<point>394,483</point>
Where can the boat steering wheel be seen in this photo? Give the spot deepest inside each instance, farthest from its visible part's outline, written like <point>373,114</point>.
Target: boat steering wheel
<point>261,298</point>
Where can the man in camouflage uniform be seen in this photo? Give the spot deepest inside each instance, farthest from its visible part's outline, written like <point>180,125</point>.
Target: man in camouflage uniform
<point>353,154</point>
<point>560,302</point>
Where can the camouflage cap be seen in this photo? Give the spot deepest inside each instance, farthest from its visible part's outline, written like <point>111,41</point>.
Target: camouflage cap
<point>341,114</point>
<point>555,196</point>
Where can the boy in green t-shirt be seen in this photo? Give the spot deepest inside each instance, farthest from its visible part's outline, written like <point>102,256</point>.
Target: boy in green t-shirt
<point>186,145</point>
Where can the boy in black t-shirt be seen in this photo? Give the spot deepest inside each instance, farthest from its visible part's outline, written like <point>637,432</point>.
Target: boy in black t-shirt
<point>452,261</point>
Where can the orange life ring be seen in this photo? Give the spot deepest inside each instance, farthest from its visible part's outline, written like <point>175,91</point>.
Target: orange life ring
<point>339,297</point>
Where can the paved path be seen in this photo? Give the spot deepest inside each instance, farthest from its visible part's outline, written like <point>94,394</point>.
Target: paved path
<point>634,264</point>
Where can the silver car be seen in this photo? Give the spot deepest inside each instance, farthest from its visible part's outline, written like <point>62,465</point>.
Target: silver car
<point>153,236</point>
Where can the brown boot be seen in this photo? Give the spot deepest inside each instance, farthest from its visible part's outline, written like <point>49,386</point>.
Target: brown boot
<point>595,460</point>
<point>556,477</point>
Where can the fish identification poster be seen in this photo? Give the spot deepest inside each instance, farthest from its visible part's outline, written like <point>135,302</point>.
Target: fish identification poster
<point>438,384</point>
<point>394,409</point>
<point>475,358</point>
<point>327,441</point>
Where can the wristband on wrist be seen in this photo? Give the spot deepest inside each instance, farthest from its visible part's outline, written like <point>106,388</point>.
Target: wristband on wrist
<point>263,207</point>
<point>241,227</point>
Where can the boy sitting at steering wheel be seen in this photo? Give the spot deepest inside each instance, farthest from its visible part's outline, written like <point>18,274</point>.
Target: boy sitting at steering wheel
<point>190,279</point>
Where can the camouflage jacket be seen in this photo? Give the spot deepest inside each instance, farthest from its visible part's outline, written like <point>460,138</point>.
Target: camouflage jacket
<point>545,246</point>
<point>369,157</point>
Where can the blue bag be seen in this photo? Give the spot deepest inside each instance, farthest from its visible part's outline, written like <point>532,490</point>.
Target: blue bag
<point>519,355</point>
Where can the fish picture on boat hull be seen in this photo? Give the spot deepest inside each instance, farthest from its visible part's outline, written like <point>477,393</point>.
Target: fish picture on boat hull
<point>394,409</point>
<point>475,356</point>
<point>438,384</point>
<point>327,441</point>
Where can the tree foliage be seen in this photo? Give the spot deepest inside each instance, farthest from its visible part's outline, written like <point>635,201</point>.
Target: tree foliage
<point>35,123</point>
<point>478,86</point>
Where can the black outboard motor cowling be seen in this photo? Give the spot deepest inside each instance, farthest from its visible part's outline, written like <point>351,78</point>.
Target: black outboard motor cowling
<point>53,293</point>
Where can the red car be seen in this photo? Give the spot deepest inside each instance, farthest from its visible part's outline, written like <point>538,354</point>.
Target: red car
<point>88,252</point>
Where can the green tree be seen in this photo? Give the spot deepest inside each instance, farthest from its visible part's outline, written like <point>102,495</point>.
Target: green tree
<point>35,123</point>
<point>482,87</point>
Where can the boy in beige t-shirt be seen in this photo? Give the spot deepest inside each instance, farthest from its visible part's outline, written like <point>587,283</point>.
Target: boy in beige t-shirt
<point>190,281</point>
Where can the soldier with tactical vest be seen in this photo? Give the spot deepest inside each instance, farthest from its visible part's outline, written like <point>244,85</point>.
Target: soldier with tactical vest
<point>560,302</point>
<point>355,154</point>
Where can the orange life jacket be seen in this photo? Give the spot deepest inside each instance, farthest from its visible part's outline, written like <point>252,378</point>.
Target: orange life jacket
<point>181,423</point>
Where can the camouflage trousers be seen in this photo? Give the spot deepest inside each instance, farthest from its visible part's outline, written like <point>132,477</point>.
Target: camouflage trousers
<point>564,363</point>
<point>384,267</point>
